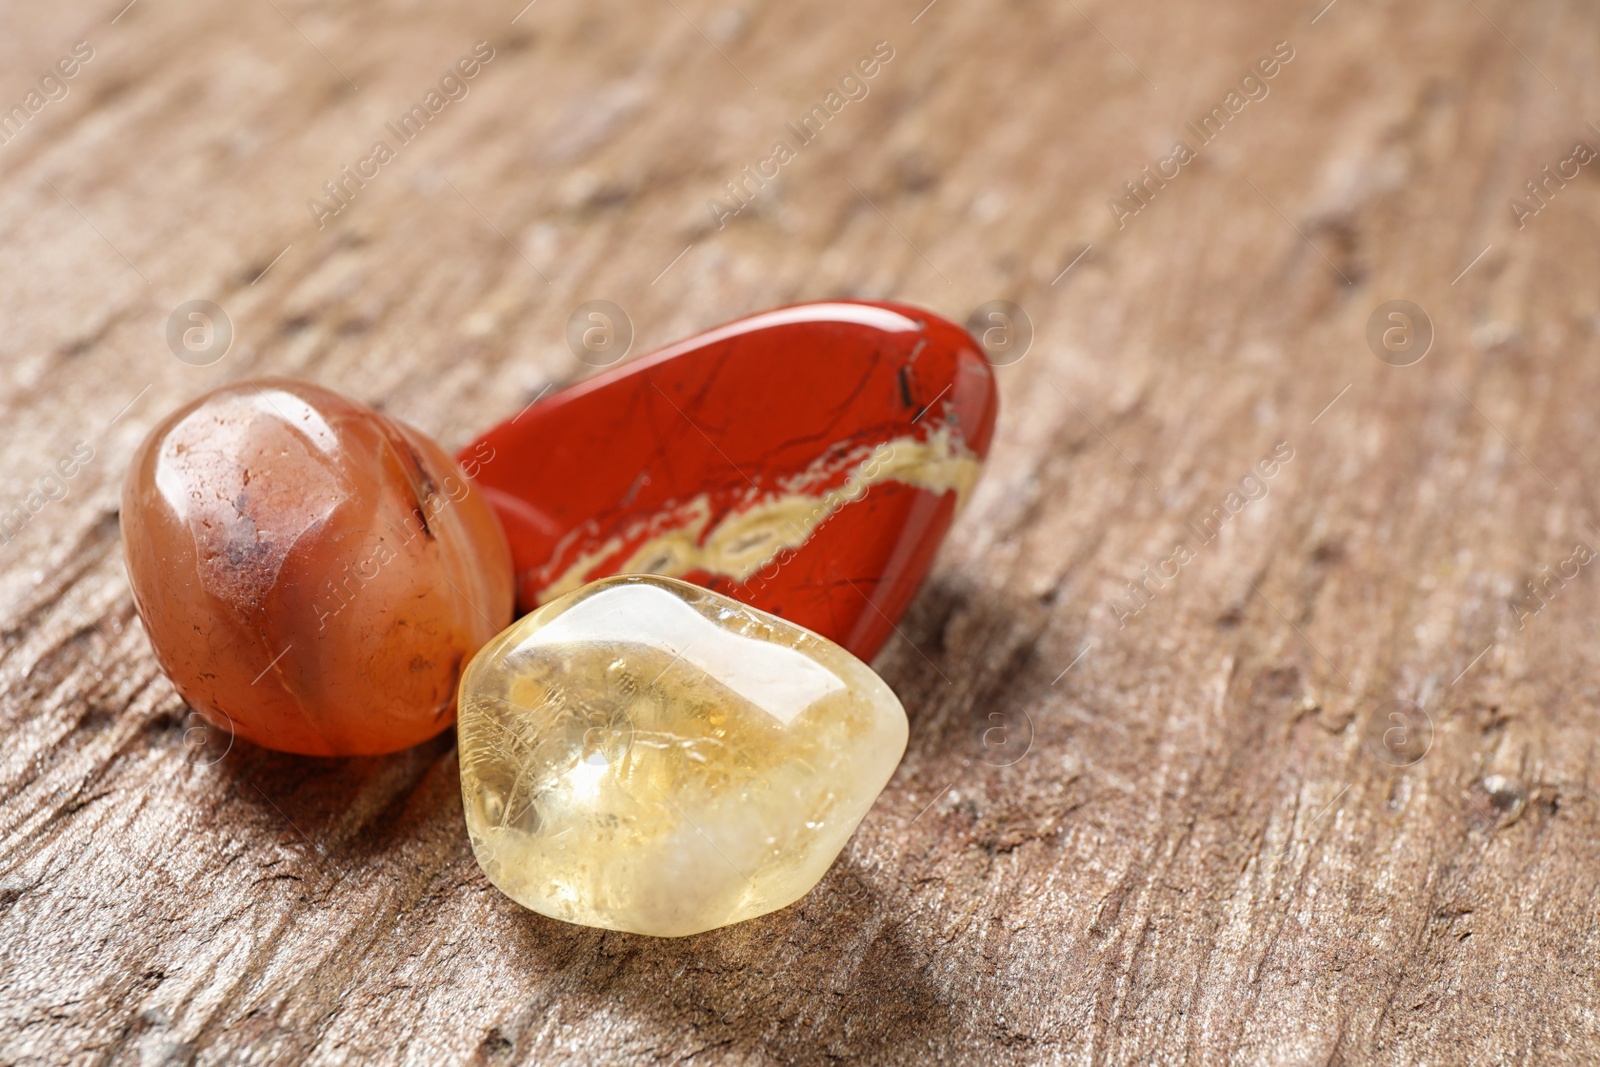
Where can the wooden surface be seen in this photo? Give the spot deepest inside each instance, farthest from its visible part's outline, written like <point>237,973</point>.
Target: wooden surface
<point>1175,835</point>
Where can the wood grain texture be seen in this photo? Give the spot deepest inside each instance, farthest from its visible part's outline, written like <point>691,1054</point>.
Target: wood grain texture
<point>1168,835</point>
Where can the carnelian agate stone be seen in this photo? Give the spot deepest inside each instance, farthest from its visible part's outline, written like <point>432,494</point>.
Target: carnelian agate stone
<point>806,461</point>
<point>313,575</point>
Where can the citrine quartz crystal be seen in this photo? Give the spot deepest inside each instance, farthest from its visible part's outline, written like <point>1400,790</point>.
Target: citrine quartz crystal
<point>646,755</point>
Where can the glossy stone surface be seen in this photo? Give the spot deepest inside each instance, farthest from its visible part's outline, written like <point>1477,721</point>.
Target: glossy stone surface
<point>312,574</point>
<point>807,461</point>
<point>646,755</point>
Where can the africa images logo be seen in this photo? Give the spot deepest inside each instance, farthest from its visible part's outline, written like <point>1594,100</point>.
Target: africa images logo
<point>742,191</point>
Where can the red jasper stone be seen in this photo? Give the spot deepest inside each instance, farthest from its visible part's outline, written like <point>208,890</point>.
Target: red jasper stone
<point>807,461</point>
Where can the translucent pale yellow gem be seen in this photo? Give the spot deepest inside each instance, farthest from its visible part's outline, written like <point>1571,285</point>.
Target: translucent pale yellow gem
<point>646,755</point>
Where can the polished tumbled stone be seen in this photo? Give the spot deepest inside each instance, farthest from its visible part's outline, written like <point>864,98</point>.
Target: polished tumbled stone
<point>646,755</point>
<point>807,461</point>
<point>312,573</point>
